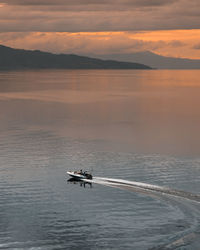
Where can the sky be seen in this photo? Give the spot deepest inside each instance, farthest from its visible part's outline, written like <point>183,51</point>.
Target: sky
<point>100,27</point>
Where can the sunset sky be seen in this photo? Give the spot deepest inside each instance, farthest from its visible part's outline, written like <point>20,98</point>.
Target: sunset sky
<point>166,27</point>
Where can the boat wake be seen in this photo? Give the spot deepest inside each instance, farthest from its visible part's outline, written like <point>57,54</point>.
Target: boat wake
<point>187,202</point>
<point>144,188</point>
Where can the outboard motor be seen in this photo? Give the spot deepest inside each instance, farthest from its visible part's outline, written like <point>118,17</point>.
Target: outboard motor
<point>88,176</point>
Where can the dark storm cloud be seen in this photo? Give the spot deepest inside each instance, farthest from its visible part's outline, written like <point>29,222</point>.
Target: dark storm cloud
<point>89,5</point>
<point>98,15</point>
<point>127,3</point>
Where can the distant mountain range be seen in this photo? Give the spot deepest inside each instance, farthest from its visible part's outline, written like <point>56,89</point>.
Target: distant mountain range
<point>27,59</point>
<point>155,61</point>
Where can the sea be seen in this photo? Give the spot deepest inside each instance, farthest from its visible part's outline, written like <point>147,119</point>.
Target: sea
<point>136,131</point>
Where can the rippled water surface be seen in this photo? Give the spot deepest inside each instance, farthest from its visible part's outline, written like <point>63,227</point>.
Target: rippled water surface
<point>136,126</point>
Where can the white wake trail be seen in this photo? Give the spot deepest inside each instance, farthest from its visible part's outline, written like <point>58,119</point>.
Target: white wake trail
<point>190,235</point>
<point>144,187</point>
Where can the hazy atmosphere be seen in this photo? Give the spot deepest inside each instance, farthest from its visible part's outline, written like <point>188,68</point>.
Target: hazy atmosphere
<point>100,118</point>
<point>169,28</point>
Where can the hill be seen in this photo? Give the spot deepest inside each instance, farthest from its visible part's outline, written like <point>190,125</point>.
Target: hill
<point>27,59</point>
<point>156,61</point>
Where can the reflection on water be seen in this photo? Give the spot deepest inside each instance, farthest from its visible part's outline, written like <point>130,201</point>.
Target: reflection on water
<point>82,183</point>
<point>151,112</point>
<point>140,126</point>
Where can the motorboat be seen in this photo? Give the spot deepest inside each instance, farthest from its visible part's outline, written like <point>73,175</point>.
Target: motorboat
<point>80,175</point>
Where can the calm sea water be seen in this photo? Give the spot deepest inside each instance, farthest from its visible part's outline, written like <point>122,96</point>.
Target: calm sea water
<point>140,126</point>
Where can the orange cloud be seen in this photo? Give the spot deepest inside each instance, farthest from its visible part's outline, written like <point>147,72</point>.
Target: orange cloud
<point>176,43</point>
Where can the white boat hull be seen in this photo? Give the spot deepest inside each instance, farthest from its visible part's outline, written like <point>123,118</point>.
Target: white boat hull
<point>76,176</point>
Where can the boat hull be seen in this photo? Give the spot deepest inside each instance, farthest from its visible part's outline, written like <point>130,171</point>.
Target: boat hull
<point>76,176</point>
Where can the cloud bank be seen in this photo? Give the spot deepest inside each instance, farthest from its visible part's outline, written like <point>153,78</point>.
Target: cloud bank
<point>98,15</point>
<point>179,43</point>
<point>168,27</point>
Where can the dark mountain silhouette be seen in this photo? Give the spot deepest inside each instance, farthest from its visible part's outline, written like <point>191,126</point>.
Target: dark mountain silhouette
<point>26,59</point>
<point>155,61</point>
